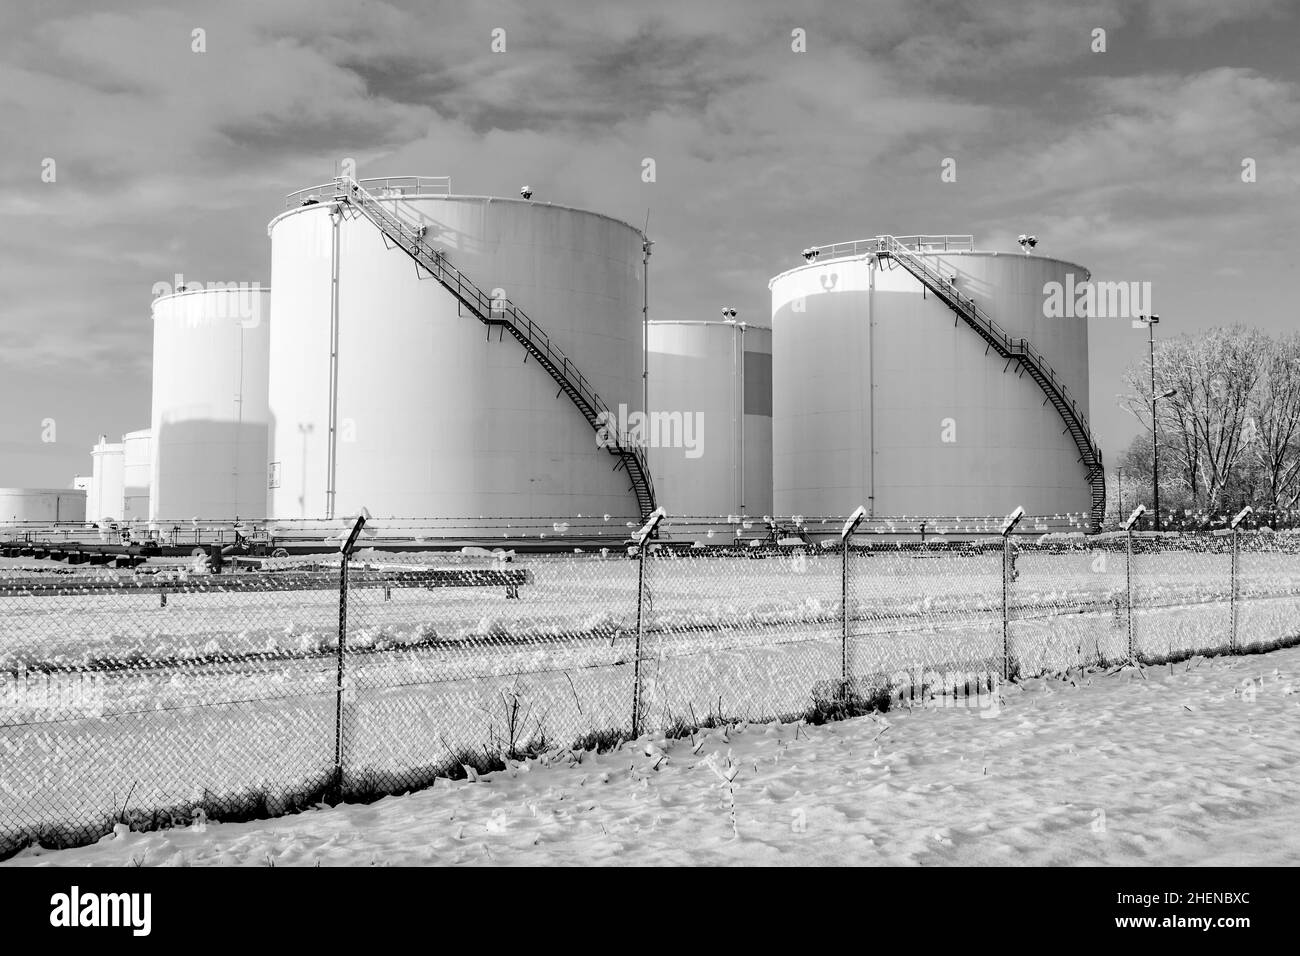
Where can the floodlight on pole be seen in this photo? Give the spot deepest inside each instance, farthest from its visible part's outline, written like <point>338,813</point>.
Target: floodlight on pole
<point>1150,321</point>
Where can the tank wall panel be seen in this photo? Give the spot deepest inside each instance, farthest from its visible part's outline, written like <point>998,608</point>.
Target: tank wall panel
<point>700,372</point>
<point>136,474</point>
<point>210,415</point>
<point>108,483</point>
<point>437,417</point>
<point>51,505</point>
<point>882,397</point>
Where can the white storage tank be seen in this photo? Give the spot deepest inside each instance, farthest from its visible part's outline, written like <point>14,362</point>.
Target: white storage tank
<point>883,397</point>
<point>137,468</point>
<point>42,505</point>
<point>210,423</point>
<point>710,390</point>
<point>108,481</point>
<point>435,414</point>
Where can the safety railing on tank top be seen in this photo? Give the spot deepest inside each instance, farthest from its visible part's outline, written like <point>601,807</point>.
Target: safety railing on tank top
<point>865,247</point>
<point>411,237</point>
<point>1014,346</point>
<point>387,187</point>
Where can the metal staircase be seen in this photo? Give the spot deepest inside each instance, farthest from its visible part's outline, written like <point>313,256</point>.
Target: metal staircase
<point>409,237</point>
<point>1012,349</point>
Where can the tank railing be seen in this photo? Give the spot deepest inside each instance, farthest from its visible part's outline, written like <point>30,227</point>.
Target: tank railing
<point>411,238</point>
<point>388,187</point>
<point>863,247</point>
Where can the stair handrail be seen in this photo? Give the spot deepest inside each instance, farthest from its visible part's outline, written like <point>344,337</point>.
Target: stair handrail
<point>411,238</point>
<point>1031,359</point>
<point>1020,345</point>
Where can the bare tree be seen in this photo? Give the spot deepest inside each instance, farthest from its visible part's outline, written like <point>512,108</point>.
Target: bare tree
<point>1272,430</point>
<point>1202,426</point>
<point>1179,442</point>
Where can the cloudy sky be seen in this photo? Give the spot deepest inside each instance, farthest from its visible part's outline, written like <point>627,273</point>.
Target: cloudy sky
<point>170,161</point>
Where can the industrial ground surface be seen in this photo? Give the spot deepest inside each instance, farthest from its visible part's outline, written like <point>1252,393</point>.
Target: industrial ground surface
<point>1194,763</point>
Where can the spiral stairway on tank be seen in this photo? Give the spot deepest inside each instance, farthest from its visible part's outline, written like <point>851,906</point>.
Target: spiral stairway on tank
<point>409,237</point>
<point>1011,349</point>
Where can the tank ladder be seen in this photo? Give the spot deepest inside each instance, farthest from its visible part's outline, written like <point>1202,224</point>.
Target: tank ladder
<point>500,312</point>
<point>1012,349</point>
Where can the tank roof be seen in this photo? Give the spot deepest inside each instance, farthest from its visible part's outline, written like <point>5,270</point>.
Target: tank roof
<point>421,187</point>
<point>747,325</point>
<point>215,287</point>
<point>946,244</point>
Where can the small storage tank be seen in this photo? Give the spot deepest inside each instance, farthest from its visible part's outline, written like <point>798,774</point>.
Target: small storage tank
<point>710,389</point>
<point>42,505</point>
<point>428,412</point>
<point>108,481</point>
<point>210,422</point>
<point>883,397</point>
<point>137,468</point>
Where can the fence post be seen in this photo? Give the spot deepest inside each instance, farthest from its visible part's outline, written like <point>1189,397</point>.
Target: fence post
<point>1128,588</point>
<point>846,536</point>
<point>1236,577</point>
<point>642,538</point>
<point>1013,519</point>
<point>345,553</point>
<point>1128,572</point>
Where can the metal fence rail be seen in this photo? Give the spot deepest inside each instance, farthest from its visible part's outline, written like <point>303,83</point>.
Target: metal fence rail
<point>172,698</point>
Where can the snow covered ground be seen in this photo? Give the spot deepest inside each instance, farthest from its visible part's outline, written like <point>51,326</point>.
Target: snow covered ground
<point>239,711</point>
<point>1198,763</point>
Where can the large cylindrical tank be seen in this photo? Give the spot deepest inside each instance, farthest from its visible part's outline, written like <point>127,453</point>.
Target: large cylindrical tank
<point>210,419</point>
<point>883,397</point>
<point>107,481</point>
<point>710,389</point>
<point>51,505</point>
<point>435,414</point>
<point>137,474</point>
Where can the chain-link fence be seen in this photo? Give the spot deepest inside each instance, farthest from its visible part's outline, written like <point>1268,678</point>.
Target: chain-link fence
<point>158,696</point>
<point>1068,603</point>
<point>457,662</point>
<point>736,632</point>
<point>923,619</point>
<point>155,699</point>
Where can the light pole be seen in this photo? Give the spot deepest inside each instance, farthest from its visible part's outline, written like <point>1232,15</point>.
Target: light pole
<point>646,243</point>
<point>737,407</point>
<point>1150,322</point>
<point>1155,460</point>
